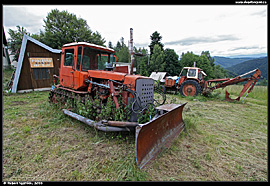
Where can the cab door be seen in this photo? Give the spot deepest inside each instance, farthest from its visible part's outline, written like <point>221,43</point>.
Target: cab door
<point>68,68</point>
<point>77,72</point>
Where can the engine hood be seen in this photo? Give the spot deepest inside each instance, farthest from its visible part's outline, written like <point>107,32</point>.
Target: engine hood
<point>129,80</point>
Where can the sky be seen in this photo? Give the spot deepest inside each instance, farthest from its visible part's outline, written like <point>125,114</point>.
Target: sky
<point>223,30</point>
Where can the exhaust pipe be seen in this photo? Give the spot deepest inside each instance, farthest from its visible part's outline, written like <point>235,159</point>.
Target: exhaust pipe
<point>131,52</point>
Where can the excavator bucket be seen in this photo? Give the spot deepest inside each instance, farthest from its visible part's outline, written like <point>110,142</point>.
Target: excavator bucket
<point>227,94</point>
<point>154,136</point>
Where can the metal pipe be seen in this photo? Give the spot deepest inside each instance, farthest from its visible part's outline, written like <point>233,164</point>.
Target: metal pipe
<point>131,51</point>
<point>122,123</point>
<point>97,125</point>
<point>94,83</point>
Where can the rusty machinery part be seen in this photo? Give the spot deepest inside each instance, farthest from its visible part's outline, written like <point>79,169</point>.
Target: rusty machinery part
<point>206,91</point>
<point>152,137</point>
<point>137,106</point>
<point>251,81</point>
<point>63,94</point>
<point>100,125</point>
<point>190,88</point>
<point>160,92</point>
<point>227,94</point>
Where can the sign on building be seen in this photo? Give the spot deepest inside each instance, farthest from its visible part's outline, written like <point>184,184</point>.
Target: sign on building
<point>41,62</point>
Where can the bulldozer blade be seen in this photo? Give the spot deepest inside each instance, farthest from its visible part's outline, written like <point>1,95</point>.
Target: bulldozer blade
<point>152,137</point>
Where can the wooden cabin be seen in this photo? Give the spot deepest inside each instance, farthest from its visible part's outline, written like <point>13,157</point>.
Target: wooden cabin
<point>36,66</point>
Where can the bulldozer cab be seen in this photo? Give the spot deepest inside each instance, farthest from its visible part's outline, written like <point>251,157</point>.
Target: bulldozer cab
<point>77,58</point>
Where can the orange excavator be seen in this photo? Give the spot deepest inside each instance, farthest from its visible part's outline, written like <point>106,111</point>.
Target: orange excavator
<point>87,74</point>
<point>190,82</point>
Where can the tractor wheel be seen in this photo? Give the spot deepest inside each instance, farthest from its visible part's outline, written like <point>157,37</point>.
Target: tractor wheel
<point>190,88</point>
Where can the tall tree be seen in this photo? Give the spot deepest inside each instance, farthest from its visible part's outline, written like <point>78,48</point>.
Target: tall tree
<point>157,63</point>
<point>173,66</point>
<point>64,27</point>
<point>204,63</point>
<point>121,51</point>
<point>211,59</point>
<point>15,40</point>
<point>155,39</point>
<point>141,61</point>
<point>188,59</point>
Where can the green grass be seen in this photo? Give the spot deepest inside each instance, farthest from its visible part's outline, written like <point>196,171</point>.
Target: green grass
<point>222,141</point>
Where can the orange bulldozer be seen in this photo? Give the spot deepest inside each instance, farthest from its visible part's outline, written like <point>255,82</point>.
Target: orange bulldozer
<point>87,73</point>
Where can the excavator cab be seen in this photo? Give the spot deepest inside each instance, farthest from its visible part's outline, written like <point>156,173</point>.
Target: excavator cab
<point>191,73</point>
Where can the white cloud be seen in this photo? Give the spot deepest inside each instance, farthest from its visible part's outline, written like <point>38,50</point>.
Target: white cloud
<point>218,29</point>
<point>197,40</point>
<point>16,15</point>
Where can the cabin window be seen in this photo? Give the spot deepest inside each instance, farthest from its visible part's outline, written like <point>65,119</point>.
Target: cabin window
<point>69,57</point>
<point>36,73</point>
<point>41,73</point>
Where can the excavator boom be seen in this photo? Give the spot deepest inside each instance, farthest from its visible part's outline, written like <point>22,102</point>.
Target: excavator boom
<point>251,81</point>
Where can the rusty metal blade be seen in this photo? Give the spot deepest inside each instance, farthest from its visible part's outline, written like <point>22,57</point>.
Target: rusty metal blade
<point>153,136</point>
<point>227,94</point>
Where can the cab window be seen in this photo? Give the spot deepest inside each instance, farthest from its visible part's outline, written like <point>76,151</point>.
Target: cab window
<point>102,61</point>
<point>192,72</point>
<point>89,60</point>
<point>200,76</point>
<point>79,57</point>
<point>69,57</point>
<point>184,72</point>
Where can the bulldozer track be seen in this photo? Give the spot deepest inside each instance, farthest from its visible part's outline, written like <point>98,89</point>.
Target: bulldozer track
<point>63,94</point>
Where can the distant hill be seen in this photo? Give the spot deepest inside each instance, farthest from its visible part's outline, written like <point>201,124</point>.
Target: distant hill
<point>249,65</point>
<point>226,62</point>
<point>249,55</point>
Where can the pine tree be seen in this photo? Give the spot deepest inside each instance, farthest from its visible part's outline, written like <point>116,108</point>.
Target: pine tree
<point>173,66</point>
<point>157,63</point>
<point>155,39</point>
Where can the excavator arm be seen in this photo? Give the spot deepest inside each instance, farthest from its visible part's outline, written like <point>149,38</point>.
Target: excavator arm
<point>251,81</point>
